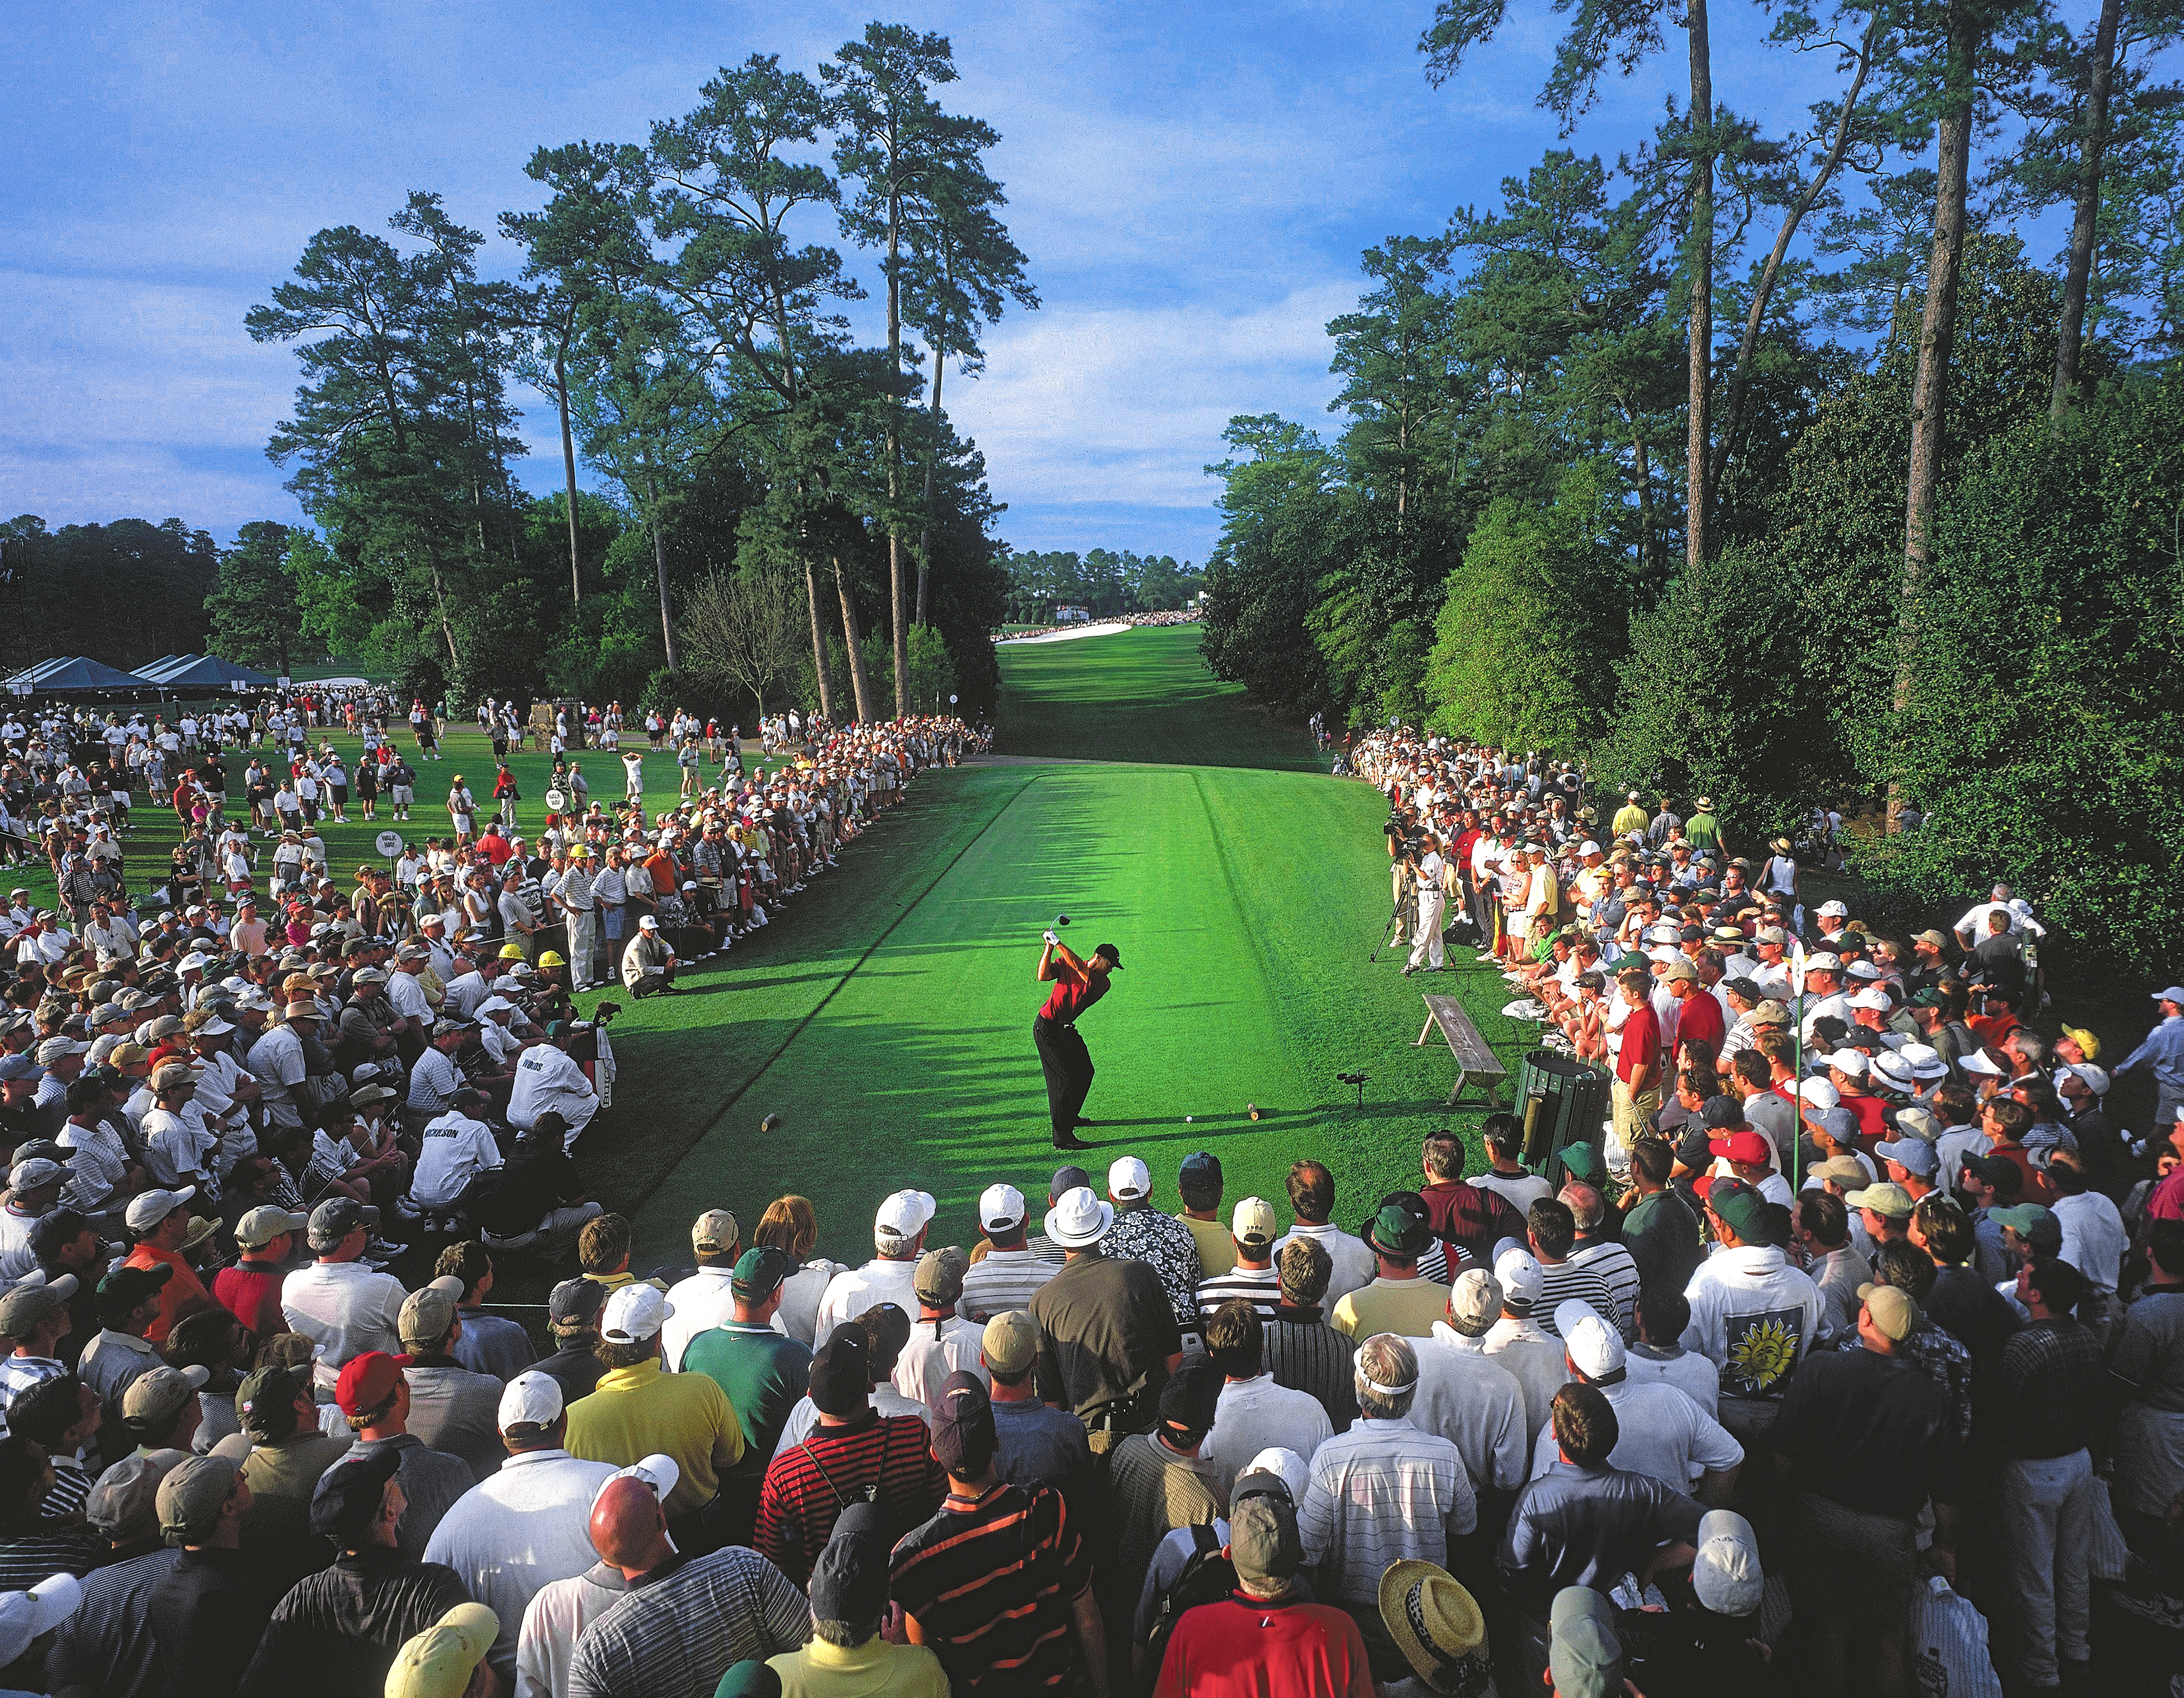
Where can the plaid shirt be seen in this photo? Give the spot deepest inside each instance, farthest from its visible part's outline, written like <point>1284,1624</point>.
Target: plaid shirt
<point>2048,1389</point>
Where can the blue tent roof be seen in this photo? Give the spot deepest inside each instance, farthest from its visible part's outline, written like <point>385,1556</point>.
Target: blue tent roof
<point>76,672</point>
<point>198,671</point>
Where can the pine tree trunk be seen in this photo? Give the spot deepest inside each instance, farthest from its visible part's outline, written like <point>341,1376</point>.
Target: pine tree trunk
<point>667,619</point>
<point>1930,388</point>
<point>932,455</point>
<point>569,473</point>
<point>2071,341</point>
<point>1740,375</point>
<point>1699,448</point>
<point>898,594</point>
<point>859,681</point>
<point>820,669</point>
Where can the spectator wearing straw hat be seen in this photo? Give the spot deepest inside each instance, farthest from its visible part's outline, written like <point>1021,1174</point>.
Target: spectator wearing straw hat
<point>1437,1626</point>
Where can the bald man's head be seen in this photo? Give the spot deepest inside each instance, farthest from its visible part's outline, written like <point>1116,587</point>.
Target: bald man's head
<point>629,1527</point>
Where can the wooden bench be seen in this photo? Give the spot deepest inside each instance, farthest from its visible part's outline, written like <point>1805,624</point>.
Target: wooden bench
<point>1474,1056</point>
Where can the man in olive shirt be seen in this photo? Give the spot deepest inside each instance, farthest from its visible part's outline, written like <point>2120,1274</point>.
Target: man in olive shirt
<point>1107,1330</point>
<point>281,1453</point>
<point>1659,1229</point>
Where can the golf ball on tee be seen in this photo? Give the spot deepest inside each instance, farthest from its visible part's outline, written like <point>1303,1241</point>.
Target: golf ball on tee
<point>1188,1118</point>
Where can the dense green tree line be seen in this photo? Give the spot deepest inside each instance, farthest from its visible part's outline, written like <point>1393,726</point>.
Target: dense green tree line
<point>679,304</point>
<point>1102,580</point>
<point>124,592</point>
<point>1776,466</point>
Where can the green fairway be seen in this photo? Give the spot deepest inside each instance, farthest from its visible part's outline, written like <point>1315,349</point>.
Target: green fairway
<point>887,1018</point>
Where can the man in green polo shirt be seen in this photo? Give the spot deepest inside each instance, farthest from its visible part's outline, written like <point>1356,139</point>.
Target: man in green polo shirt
<point>1702,831</point>
<point>763,1371</point>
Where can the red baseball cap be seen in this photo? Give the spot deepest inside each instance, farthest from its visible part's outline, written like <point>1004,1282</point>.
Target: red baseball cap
<point>368,1381</point>
<point>1746,1146</point>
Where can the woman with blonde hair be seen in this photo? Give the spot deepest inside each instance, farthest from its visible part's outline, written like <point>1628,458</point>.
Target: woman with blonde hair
<point>791,1224</point>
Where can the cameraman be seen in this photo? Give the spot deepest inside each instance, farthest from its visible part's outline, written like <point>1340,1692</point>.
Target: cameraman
<point>1432,874</point>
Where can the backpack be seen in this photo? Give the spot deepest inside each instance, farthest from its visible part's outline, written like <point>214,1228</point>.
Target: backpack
<point>1208,1578</point>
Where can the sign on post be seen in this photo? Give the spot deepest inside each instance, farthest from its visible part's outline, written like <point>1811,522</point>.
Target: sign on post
<point>390,844</point>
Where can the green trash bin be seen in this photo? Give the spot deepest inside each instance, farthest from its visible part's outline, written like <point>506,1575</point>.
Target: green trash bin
<point>1560,1102</point>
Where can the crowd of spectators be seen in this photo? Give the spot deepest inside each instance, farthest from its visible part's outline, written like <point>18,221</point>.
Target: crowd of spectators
<point>1172,617</point>
<point>1891,1203</point>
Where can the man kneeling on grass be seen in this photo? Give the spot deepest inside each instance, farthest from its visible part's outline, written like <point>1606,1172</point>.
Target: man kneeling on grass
<point>649,964</point>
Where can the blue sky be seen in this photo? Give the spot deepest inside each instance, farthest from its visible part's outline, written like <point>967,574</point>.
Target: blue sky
<point>1193,183</point>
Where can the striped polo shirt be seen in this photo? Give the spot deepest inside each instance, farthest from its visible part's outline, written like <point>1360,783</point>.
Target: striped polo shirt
<point>992,1581</point>
<point>809,1486</point>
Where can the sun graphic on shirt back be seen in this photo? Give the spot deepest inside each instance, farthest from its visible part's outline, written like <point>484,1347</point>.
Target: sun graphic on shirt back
<point>1766,1351</point>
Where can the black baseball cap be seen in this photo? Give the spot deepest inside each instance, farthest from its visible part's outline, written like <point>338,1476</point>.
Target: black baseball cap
<point>348,1494</point>
<point>577,1299</point>
<point>1188,1400</point>
<point>963,1437</point>
<point>124,1289</point>
<point>1113,954</point>
<point>850,1580</point>
<point>841,1383</point>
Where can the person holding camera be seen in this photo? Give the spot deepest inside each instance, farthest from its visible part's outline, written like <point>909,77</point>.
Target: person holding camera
<point>1431,873</point>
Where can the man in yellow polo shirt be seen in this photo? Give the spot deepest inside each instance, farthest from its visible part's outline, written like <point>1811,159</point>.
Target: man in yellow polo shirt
<point>1630,817</point>
<point>1400,1299</point>
<point>635,1411</point>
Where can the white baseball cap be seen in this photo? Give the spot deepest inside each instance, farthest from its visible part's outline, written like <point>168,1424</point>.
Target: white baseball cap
<point>659,1471</point>
<point>1000,1207</point>
<point>1850,1062</point>
<point>146,1208</point>
<point>648,924</point>
<point>1726,1575</point>
<point>25,1616</point>
<point>1818,1093</point>
<point>633,1314</point>
<point>1517,1272</point>
<point>904,1215</point>
<point>1129,1177</point>
<point>1295,1473</point>
<point>1590,1341</point>
<point>1833,911</point>
<point>1977,1062</point>
<point>532,1399</point>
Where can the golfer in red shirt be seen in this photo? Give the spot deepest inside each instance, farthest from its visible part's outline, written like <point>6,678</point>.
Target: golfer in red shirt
<point>1062,1057</point>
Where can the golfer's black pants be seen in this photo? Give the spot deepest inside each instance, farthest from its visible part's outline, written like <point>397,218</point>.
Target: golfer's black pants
<point>1068,1065</point>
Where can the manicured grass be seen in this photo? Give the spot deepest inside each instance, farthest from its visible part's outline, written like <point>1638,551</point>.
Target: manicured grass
<point>1143,694</point>
<point>888,1021</point>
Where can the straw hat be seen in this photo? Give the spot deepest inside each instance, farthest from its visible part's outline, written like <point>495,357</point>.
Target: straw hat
<point>1435,1623</point>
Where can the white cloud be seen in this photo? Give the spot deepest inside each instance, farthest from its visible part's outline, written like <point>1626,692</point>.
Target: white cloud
<point>1096,407</point>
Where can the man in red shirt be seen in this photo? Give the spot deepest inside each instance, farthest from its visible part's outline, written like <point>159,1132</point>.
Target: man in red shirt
<point>1638,1062</point>
<point>1264,1640</point>
<point>251,1289</point>
<point>1062,1057</point>
<point>1698,1014</point>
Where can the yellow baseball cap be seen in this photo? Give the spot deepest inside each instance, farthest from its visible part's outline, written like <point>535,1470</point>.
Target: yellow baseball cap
<point>439,1662</point>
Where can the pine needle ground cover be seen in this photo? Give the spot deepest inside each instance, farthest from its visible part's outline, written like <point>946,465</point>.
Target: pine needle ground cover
<point>886,1018</point>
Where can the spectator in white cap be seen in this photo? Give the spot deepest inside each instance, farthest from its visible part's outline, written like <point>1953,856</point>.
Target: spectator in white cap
<point>36,1318</point>
<point>26,1617</point>
<point>635,1410</point>
<point>899,1236</point>
<point>702,1300</point>
<point>1170,1246</point>
<point>1470,1398</point>
<point>161,1226</point>
<point>1011,1272</point>
<point>34,1191</point>
<point>524,1527</point>
<point>1519,1343</point>
<point>1661,1432</point>
<point>649,963</point>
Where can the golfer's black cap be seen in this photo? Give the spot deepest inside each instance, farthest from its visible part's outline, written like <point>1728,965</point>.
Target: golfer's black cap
<point>1113,954</point>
